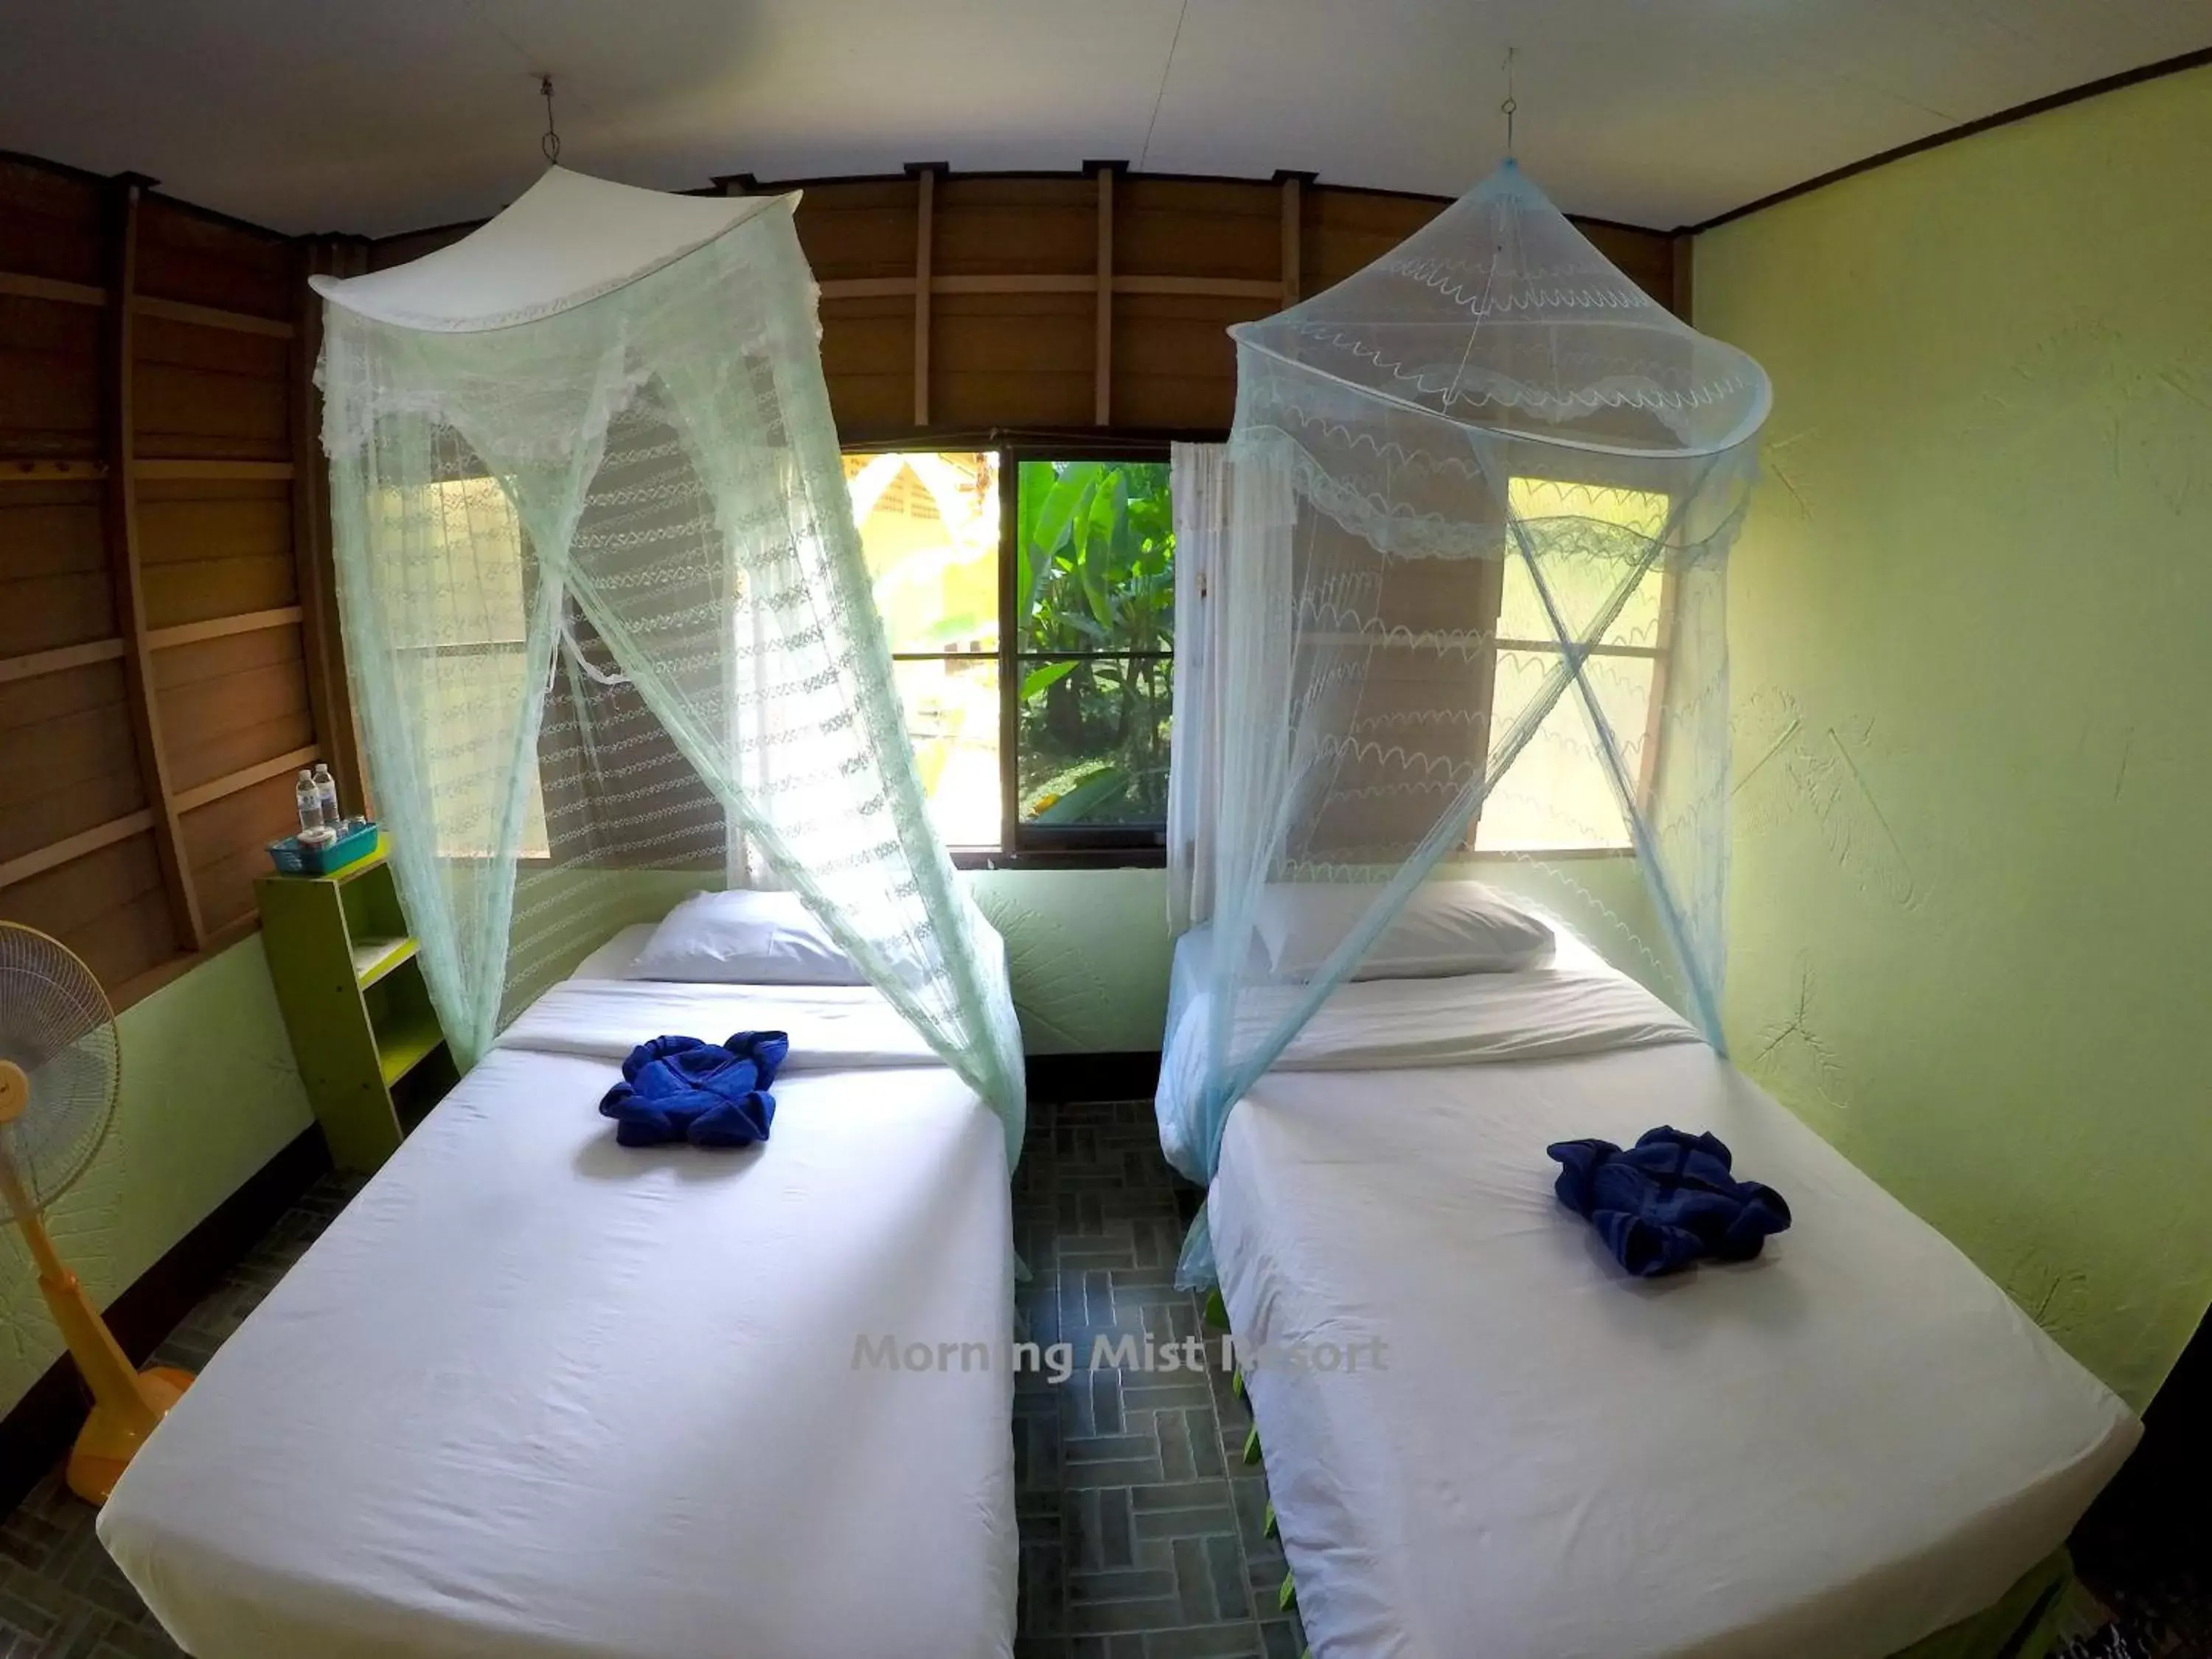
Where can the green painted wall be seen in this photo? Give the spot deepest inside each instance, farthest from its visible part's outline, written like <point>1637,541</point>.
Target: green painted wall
<point>1088,951</point>
<point>210,1095</point>
<point>1971,642</point>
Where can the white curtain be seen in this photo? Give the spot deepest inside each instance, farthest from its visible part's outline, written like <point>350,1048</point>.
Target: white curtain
<point>1200,488</point>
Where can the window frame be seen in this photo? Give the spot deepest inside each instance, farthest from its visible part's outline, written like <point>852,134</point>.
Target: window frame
<point>1111,846</point>
<point>1032,847</point>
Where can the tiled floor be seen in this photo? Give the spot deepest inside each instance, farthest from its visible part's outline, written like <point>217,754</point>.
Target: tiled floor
<point>1140,1524</point>
<point>60,1596</point>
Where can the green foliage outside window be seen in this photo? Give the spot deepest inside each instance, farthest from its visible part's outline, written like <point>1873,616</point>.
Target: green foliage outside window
<point>1094,589</point>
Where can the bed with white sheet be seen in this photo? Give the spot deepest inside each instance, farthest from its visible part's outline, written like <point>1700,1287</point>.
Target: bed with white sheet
<point>1828,1453</point>
<point>536,1394</point>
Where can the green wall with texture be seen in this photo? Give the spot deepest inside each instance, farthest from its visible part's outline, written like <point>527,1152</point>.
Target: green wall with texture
<point>210,1095</point>
<point>1970,628</point>
<point>1088,951</point>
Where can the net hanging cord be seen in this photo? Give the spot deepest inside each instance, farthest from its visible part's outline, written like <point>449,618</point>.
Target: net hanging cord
<point>1482,305</point>
<point>1506,109</point>
<point>550,143</point>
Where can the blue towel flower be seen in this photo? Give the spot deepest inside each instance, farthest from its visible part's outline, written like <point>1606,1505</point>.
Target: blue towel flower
<point>1669,1200</point>
<point>679,1088</point>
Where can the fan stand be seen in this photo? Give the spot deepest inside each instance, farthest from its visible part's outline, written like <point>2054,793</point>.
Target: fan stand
<point>128,1403</point>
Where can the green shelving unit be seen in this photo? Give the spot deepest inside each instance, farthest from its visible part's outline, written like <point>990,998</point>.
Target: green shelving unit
<point>349,980</point>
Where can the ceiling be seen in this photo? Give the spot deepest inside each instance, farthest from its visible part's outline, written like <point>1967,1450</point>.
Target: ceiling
<point>380,115</point>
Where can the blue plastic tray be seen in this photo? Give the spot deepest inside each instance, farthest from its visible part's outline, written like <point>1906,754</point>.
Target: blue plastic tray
<point>293,859</point>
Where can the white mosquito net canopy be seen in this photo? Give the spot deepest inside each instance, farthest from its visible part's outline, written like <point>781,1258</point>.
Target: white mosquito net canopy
<point>1472,597</point>
<point>606,615</point>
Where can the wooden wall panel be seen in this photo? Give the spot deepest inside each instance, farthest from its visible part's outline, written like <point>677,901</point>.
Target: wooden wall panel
<point>1646,259</point>
<point>54,585</point>
<point>232,702</point>
<point>153,691</point>
<point>1014,265</point>
<point>65,752</point>
<point>1196,227</point>
<point>1345,229</point>
<point>1174,365</point>
<point>107,906</point>
<point>867,359</point>
<point>219,548</point>
<point>211,393</point>
<point>1011,360</point>
<point>49,377</point>
<point>49,222</point>
<point>1018,226</point>
<point>403,249</point>
<point>858,228</point>
<point>189,255</point>
<point>223,847</point>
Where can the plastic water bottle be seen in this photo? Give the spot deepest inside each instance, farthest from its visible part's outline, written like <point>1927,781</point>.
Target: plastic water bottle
<point>327,793</point>
<point>309,798</point>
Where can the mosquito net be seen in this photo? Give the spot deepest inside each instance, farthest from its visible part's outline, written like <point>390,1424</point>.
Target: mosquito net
<point>604,608</point>
<point>1472,618</point>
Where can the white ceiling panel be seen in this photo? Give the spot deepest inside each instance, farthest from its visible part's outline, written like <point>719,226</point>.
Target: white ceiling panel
<point>382,115</point>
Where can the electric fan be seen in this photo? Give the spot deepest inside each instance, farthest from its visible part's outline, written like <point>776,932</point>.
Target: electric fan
<point>58,1071</point>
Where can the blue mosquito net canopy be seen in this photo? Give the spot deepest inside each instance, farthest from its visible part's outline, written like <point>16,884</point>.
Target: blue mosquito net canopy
<point>610,630</point>
<point>1473,622</point>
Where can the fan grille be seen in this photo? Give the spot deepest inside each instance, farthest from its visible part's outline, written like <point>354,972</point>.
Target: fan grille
<point>55,1024</point>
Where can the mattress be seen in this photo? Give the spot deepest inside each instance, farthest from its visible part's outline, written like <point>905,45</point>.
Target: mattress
<point>533,1394</point>
<point>1828,1453</point>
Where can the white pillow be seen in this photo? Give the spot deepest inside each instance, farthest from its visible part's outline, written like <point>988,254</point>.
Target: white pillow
<point>745,937</point>
<point>1446,927</point>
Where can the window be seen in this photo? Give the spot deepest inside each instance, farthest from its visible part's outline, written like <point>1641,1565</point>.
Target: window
<point>469,657</point>
<point>1029,600</point>
<point>929,529</point>
<point>1558,796</point>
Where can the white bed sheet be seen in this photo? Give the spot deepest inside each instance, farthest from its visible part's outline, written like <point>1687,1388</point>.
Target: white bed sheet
<point>534,1394</point>
<point>613,959</point>
<point>1575,1005</point>
<point>1826,1454</point>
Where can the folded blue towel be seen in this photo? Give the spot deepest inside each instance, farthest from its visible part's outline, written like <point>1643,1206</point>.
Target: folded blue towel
<point>679,1088</point>
<point>1668,1201</point>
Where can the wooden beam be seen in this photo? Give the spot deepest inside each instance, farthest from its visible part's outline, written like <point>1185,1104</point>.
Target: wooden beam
<point>119,504</point>
<point>1293,235</point>
<point>63,851</point>
<point>1102,370</point>
<point>330,696</point>
<point>1058,282</point>
<point>18,286</point>
<point>239,322</point>
<point>1681,300</point>
<point>1203,288</point>
<point>925,237</point>
<point>867,287</point>
<point>28,469</point>
<point>217,628</point>
<point>60,660</point>
<point>888,288</point>
<point>242,472</point>
<point>245,777</point>
<point>1654,707</point>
